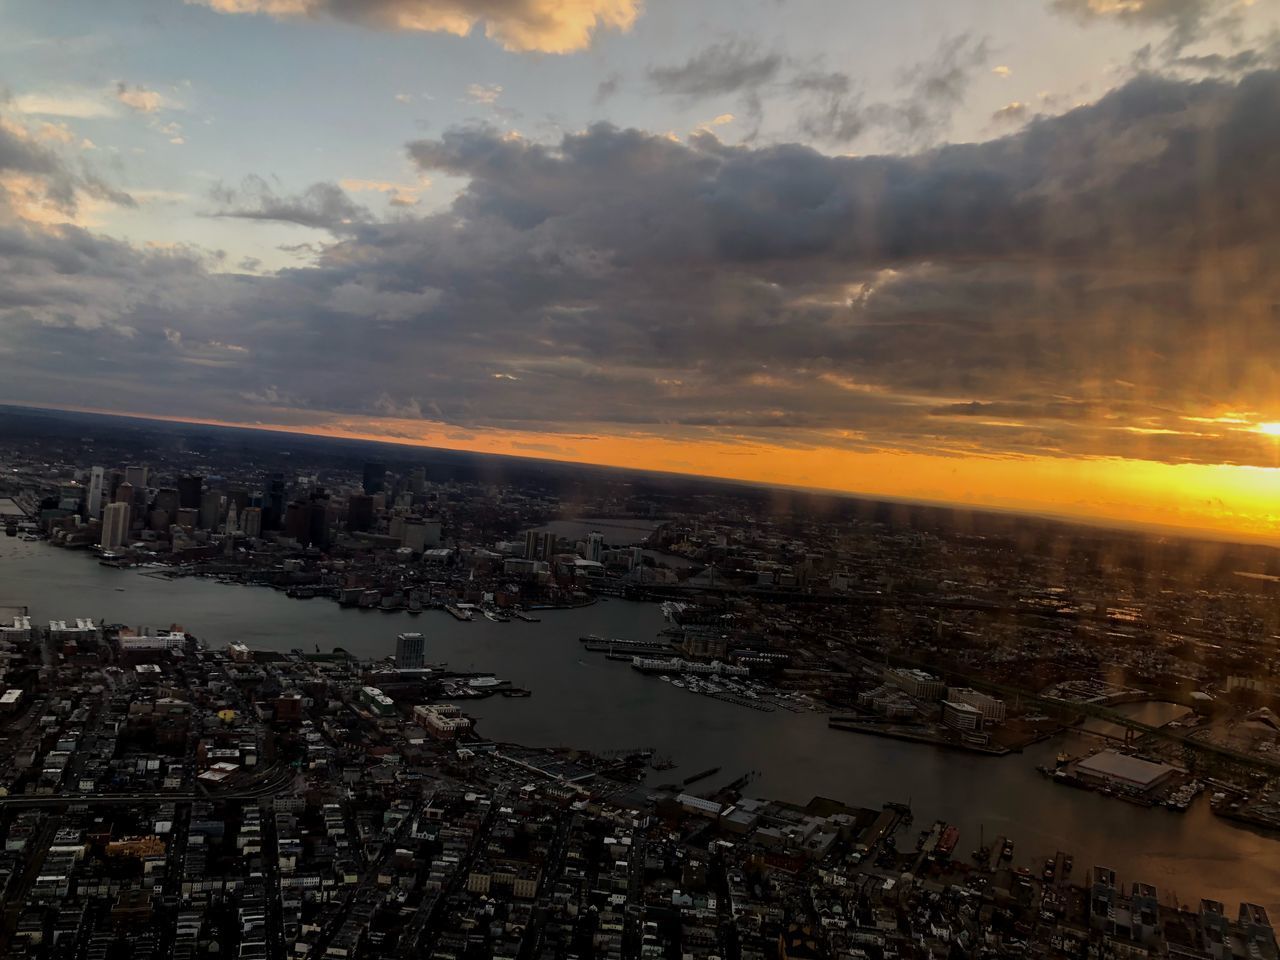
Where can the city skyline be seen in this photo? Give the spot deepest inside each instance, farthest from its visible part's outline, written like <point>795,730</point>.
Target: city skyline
<point>1005,257</point>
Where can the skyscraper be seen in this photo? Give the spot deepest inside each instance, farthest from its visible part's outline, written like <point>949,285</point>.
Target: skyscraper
<point>253,522</point>
<point>274,513</point>
<point>210,509</point>
<point>189,489</point>
<point>115,526</point>
<point>93,504</point>
<point>410,651</point>
<point>595,546</point>
<point>375,476</point>
<point>136,475</point>
<point>359,512</point>
<point>169,500</point>
<point>318,522</point>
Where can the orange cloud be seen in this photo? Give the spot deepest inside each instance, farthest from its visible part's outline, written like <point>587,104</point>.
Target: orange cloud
<point>548,26</point>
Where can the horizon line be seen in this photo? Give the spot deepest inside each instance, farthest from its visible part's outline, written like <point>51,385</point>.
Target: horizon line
<point>1184,531</point>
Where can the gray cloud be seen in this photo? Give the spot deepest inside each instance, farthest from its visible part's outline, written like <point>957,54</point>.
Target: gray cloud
<point>324,206</point>
<point>1085,285</point>
<point>730,66</point>
<point>833,110</point>
<point>45,176</point>
<point>1187,20</point>
<point>607,87</point>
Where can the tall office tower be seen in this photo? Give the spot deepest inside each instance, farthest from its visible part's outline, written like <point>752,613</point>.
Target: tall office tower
<point>233,520</point>
<point>297,522</point>
<point>359,512</point>
<point>531,545</point>
<point>318,522</point>
<point>93,505</point>
<point>189,489</point>
<point>115,526</point>
<point>210,510</point>
<point>375,477</point>
<point>595,546</point>
<point>124,493</point>
<point>253,521</point>
<point>136,475</point>
<point>273,516</point>
<point>188,518</point>
<point>169,500</point>
<point>418,481</point>
<point>411,649</point>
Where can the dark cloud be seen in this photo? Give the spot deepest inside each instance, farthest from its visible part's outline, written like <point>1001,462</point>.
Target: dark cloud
<point>730,66</point>
<point>322,205</point>
<point>1096,283</point>
<point>1264,55</point>
<point>21,154</point>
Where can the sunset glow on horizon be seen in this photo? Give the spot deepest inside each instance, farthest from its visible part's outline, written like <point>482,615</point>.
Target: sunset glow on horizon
<point>1237,502</point>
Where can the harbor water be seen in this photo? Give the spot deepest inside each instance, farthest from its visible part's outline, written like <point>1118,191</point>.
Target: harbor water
<point>585,700</point>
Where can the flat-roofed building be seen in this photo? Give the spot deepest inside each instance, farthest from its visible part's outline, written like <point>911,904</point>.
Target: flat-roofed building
<point>917,683</point>
<point>1117,769</point>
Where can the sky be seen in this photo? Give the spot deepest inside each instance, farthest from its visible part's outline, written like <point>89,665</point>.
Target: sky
<point>1005,253</point>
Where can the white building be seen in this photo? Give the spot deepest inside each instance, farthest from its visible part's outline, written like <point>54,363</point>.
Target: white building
<point>411,651</point>
<point>961,716</point>
<point>991,708</point>
<point>161,640</point>
<point>17,632</point>
<point>93,505</point>
<point>79,630</point>
<point>443,721</point>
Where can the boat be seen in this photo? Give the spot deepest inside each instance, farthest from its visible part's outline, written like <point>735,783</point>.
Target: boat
<point>947,841</point>
<point>457,612</point>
